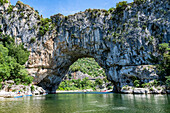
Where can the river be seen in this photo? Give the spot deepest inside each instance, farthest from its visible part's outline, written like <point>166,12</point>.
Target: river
<point>87,103</point>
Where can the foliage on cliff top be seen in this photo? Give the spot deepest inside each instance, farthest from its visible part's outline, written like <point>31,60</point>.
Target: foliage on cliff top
<point>87,66</point>
<point>3,1</point>
<point>12,58</point>
<point>121,5</point>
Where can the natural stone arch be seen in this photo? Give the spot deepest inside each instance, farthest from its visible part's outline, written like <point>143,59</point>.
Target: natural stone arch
<point>119,41</point>
<point>68,55</point>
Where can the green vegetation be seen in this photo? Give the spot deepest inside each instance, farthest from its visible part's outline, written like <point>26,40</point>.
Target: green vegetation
<point>32,40</point>
<point>81,84</point>
<point>136,83</point>
<point>87,66</point>
<point>32,88</point>
<point>45,23</point>
<point>10,9</point>
<point>162,62</point>
<point>111,9</point>
<point>125,87</point>
<point>12,58</point>
<point>22,14</point>
<point>121,5</point>
<point>3,1</point>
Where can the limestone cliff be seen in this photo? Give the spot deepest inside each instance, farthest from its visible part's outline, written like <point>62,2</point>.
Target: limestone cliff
<point>120,40</point>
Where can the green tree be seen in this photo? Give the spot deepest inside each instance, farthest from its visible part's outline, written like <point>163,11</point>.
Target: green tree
<point>99,81</point>
<point>136,83</point>
<point>87,66</point>
<point>11,61</point>
<point>84,82</point>
<point>162,61</point>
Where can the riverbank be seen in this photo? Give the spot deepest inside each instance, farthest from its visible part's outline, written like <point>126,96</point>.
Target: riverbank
<point>82,91</point>
<point>11,90</point>
<point>4,94</point>
<point>152,90</point>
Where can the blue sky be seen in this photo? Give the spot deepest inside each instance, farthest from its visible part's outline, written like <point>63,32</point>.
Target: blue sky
<point>48,8</point>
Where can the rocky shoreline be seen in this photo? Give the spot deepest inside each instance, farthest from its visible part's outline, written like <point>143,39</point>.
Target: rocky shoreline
<point>153,90</point>
<point>11,90</point>
<point>4,94</point>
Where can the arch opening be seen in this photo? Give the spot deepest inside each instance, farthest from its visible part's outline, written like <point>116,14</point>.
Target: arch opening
<point>85,74</point>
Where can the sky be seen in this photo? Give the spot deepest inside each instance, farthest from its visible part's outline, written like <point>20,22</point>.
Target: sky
<point>48,8</point>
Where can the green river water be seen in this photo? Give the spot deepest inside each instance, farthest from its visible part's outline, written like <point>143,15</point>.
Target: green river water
<point>87,103</point>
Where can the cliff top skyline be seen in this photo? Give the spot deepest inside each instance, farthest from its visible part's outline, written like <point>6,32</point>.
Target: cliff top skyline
<point>67,7</point>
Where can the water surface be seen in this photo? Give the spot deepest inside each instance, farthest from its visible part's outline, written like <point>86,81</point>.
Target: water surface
<point>87,103</point>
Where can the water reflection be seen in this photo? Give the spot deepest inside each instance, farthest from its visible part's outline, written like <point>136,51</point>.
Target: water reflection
<point>76,103</point>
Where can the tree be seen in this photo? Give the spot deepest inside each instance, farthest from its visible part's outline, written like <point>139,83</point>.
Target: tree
<point>99,81</point>
<point>121,5</point>
<point>12,58</point>
<point>18,52</point>
<point>162,61</point>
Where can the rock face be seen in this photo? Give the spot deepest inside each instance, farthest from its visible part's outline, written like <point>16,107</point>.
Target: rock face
<point>10,90</point>
<point>119,40</point>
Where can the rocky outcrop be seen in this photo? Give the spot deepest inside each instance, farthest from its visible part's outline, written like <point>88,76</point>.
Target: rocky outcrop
<point>11,90</point>
<point>120,40</point>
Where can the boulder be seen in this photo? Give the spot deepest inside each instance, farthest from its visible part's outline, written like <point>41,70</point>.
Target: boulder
<point>9,82</point>
<point>140,91</point>
<point>130,91</point>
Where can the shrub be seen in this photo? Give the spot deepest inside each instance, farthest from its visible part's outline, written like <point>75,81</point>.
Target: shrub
<point>32,40</point>
<point>99,81</point>
<point>125,87</point>
<point>111,9</point>
<point>144,26</point>
<point>151,89</point>
<point>22,14</point>
<point>12,58</point>
<point>136,83</point>
<point>121,6</point>
<point>32,88</point>
<point>114,41</point>
<point>10,9</point>
<point>44,26</point>
<point>106,14</point>
<point>142,48</point>
<point>159,88</point>
<point>109,87</point>
<point>3,1</point>
<point>73,36</point>
<point>162,61</point>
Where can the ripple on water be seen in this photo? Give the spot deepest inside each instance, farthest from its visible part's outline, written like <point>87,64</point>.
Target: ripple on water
<point>120,108</point>
<point>93,102</point>
<point>103,105</point>
<point>89,111</point>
